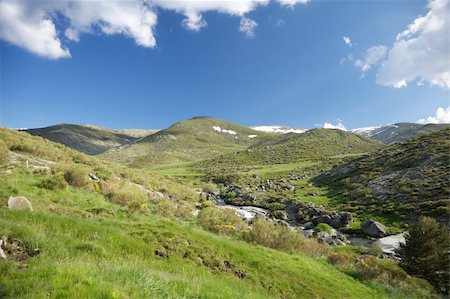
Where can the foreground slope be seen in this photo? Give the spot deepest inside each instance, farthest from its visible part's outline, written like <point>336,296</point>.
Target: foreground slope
<point>316,144</point>
<point>188,140</point>
<point>404,180</point>
<point>87,139</point>
<point>93,245</point>
<point>398,132</point>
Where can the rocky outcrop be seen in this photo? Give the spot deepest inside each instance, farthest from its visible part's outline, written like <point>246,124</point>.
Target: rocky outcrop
<point>316,214</point>
<point>19,203</point>
<point>373,228</point>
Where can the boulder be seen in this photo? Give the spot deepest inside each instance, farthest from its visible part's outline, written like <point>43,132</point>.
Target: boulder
<point>373,228</point>
<point>307,225</point>
<point>19,203</point>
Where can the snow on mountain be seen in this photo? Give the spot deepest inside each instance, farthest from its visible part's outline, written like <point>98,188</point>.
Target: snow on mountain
<point>372,131</point>
<point>220,130</point>
<point>278,129</point>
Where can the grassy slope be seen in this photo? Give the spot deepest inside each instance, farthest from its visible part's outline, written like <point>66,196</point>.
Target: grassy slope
<point>86,139</point>
<point>111,253</point>
<point>398,182</point>
<point>188,140</point>
<point>313,145</point>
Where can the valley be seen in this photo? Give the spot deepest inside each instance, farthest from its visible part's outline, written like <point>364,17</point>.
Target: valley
<point>207,204</point>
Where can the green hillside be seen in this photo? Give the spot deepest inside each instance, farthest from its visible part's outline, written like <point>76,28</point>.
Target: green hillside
<point>87,139</point>
<point>313,145</point>
<point>127,234</point>
<point>188,140</point>
<point>401,181</point>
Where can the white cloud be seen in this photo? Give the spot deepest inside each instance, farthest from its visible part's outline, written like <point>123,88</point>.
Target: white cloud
<point>292,3</point>
<point>442,116</point>
<point>247,26</point>
<point>338,126</point>
<point>31,24</point>
<point>30,30</point>
<point>372,57</point>
<point>347,41</point>
<point>421,52</point>
<point>193,9</point>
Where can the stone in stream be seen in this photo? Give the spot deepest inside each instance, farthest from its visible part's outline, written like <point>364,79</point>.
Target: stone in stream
<point>373,228</point>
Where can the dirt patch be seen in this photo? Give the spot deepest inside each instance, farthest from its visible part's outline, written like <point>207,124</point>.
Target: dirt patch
<point>15,249</point>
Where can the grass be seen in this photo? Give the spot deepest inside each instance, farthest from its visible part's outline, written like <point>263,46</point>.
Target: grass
<point>177,169</point>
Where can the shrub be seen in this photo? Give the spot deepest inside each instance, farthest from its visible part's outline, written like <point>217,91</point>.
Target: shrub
<point>222,221</point>
<point>4,152</point>
<point>130,197</point>
<point>77,176</point>
<point>208,187</point>
<point>341,259</point>
<point>322,227</point>
<point>277,236</point>
<point>54,182</point>
<point>426,253</point>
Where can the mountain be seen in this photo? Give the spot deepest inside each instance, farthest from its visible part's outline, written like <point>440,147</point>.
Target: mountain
<point>402,181</point>
<point>315,144</point>
<point>277,129</point>
<point>87,138</point>
<point>189,140</point>
<point>391,133</point>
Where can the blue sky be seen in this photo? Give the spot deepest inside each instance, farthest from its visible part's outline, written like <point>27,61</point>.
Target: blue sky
<point>292,68</point>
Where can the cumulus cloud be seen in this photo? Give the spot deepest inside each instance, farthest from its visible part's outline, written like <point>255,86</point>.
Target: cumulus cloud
<point>421,52</point>
<point>339,126</point>
<point>193,9</point>
<point>32,31</point>
<point>347,41</point>
<point>442,116</point>
<point>247,26</point>
<point>31,24</point>
<point>292,3</point>
<point>372,57</point>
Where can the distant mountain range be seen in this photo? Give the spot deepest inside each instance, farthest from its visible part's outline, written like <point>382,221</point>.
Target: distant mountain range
<point>202,138</point>
<point>89,139</point>
<point>391,133</point>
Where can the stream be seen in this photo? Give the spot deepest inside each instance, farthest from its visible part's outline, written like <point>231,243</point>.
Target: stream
<point>387,244</point>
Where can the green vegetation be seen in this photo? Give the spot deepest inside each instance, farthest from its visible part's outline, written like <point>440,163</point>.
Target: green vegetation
<point>396,183</point>
<point>322,227</point>
<point>309,147</point>
<point>188,140</point>
<point>223,221</point>
<point>426,253</point>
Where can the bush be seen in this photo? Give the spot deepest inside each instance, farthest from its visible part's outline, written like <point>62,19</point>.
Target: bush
<point>4,153</point>
<point>77,176</point>
<point>222,221</point>
<point>426,253</point>
<point>277,236</point>
<point>54,182</point>
<point>322,227</point>
<point>130,197</point>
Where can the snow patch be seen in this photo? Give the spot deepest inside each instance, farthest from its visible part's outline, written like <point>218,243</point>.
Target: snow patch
<point>252,136</point>
<point>372,131</point>
<point>278,129</point>
<point>220,130</point>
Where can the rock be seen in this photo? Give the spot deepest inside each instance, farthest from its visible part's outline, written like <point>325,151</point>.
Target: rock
<point>19,203</point>
<point>2,253</point>
<point>307,225</point>
<point>308,233</point>
<point>290,188</point>
<point>322,219</point>
<point>373,228</point>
